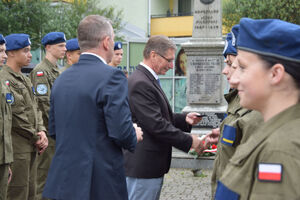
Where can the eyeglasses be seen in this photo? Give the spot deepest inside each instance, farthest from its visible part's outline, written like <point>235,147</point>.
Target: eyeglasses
<point>169,60</point>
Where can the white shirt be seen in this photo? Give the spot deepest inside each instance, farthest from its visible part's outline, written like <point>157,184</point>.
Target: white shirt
<point>89,53</point>
<point>150,70</point>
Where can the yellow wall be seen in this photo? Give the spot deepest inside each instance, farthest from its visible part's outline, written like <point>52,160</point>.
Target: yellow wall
<point>172,26</point>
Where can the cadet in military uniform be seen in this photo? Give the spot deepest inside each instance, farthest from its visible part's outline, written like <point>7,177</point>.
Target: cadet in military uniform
<point>72,54</point>
<point>3,55</point>
<point>118,55</point>
<point>28,132</point>
<point>267,165</point>
<point>240,122</point>
<point>43,77</point>
<point>6,152</point>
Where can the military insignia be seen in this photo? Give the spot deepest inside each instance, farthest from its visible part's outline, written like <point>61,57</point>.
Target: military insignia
<point>229,134</point>
<point>207,1</point>
<point>224,192</point>
<point>29,41</point>
<point>119,45</point>
<point>41,89</point>
<point>10,98</point>
<point>33,90</point>
<point>40,73</point>
<point>7,83</point>
<point>270,172</point>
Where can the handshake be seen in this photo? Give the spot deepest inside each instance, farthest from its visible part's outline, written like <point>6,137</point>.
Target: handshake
<point>200,144</point>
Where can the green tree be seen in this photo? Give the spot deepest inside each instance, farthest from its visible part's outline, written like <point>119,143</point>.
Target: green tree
<point>233,10</point>
<point>39,17</point>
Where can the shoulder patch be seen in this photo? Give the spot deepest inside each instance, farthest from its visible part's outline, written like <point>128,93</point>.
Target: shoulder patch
<point>41,89</point>
<point>40,73</point>
<point>270,172</point>
<point>229,134</point>
<point>7,83</point>
<point>224,192</point>
<point>10,98</point>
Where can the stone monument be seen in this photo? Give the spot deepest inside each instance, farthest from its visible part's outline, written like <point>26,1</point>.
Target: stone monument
<point>205,82</point>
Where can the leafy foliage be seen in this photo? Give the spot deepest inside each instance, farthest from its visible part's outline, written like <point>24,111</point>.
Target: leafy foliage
<point>233,10</point>
<point>37,18</point>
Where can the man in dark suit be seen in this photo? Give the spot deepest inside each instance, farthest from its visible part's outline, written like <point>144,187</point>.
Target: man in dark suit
<point>162,128</point>
<point>91,121</point>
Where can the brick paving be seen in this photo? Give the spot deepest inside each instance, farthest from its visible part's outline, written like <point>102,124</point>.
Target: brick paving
<point>181,184</point>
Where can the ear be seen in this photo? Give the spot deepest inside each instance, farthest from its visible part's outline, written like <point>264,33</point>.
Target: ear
<point>152,54</point>
<point>105,43</point>
<point>277,73</point>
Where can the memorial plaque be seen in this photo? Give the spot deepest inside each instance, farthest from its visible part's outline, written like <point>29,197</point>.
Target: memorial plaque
<point>207,19</point>
<point>204,79</point>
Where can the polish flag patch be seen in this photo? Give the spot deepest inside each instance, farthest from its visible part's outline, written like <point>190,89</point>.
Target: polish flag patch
<point>7,83</point>
<point>40,73</point>
<point>270,172</point>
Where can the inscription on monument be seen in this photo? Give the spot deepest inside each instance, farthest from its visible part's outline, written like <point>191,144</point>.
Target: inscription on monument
<point>207,20</point>
<point>205,79</point>
<point>212,120</point>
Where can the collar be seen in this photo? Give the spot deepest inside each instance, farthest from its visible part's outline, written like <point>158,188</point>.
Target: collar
<point>50,64</point>
<point>9,70</point>
<point>89,53</point>
<point>149,69</point>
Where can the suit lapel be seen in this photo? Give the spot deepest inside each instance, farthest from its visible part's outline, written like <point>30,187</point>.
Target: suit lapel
<point>155,83</point>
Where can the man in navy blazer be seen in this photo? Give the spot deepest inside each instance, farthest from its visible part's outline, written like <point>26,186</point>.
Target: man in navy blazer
<point>91,121</point>
<point>145,168</point>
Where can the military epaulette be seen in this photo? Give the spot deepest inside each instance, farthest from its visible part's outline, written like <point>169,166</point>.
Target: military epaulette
<point>40,73</point>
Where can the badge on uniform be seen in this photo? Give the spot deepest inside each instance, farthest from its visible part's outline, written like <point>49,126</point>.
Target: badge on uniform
<point>7,83</point>
<point>270,172</point>
<point>41,89</point>
<point>224,193</point>
<point>229,134</point>
<point>40,73</point>
<point>33,90</point>
<point>10,98</point>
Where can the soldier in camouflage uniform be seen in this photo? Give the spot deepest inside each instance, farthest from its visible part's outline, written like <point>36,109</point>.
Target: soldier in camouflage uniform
<point>43,77</point>
<point>72,54</point>
<point>28,132</point>
<point>240,123</point>
<point>267,165</point>
<point>6,152</point>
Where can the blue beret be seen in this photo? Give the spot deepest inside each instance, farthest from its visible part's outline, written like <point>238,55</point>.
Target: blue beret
<point>118,45</point>
<point>270,37</point>
<point>229,48</point>
<point>2,40</point>
<point>17,41</point>
<point>235,34</point>
<point>72,44</point>
<point>53,38</point>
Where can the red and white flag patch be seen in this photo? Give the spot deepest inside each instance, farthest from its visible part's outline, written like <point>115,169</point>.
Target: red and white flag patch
<point>270,172</point>
<point>7,83</point>
<point>40,73</point>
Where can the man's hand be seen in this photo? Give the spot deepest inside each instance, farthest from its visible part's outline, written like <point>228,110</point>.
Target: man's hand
<point>212,138</point>
<point>139,132</point>
<point>197,144</point>
<point>42,143</point>
<point>192,119</point>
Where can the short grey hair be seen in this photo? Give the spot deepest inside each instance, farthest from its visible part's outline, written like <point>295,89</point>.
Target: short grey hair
<point>160,44</point>
<point>93,29</point>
